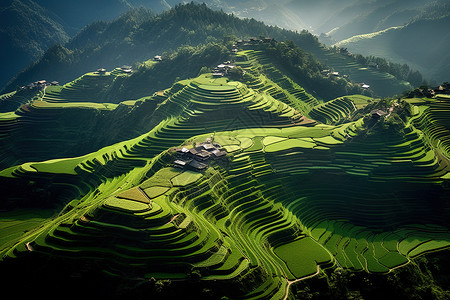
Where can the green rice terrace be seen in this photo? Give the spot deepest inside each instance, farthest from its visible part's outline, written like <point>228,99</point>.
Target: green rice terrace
<point>241,187</point>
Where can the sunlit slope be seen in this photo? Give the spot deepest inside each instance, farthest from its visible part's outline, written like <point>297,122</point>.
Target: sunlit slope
<point>286,202</point>
<point>90,87</point>
<point>263,75</point>
<point>431,116</point>
<point>64,123</point>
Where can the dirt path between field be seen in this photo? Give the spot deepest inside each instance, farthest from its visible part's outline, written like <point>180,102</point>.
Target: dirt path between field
<point>173,218</point>
<point>43,96</point>
<point>297,280</point>
<point>29,248</point>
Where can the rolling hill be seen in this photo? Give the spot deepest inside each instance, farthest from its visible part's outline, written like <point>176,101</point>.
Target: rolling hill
<point>234,186</point>
<point>372,16</point>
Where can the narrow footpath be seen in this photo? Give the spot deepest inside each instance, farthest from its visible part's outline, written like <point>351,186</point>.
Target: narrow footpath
<point>297,280</point>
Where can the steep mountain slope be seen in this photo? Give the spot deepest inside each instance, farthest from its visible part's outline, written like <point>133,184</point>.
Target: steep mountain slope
<point>26,31</point>
<point>341,19</point>
<point>421,44</point>
<point>77,14</point>
<point>218,187</point>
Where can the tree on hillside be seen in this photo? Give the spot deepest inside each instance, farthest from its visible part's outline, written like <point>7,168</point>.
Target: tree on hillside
<point>237,73</point>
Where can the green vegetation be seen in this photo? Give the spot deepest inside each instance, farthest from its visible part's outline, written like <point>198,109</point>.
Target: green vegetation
<point>139,34</point>
<point>300,186</point>
<point>186,178</point>
<point>310,252</point>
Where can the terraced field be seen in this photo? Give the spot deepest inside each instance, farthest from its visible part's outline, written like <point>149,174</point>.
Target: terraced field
<point>284,197</point>
<point>264,77</point>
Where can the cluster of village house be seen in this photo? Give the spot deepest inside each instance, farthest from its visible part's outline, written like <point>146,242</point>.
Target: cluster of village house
<point>125,69</point>
<point>330,73</point>
<point>128,69</point>
<point>430,92</point>
<point>198,157</point>
<point>252,41</point>
<point>39,85</point>
<point>222,69</point>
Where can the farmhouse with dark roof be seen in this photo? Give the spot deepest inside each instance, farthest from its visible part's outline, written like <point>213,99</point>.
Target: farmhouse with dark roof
<point>377,113</point>
<point>199,156</point>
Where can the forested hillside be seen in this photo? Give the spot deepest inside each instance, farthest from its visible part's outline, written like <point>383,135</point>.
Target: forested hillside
<point>21,44</point>
<point>139,35</point>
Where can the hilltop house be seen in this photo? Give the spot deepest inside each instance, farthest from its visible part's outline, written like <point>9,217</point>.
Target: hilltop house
<point>222,69</point>
<point>126,69</point>
<point>101,71</point>
<point>218,153</point>
<point>203,155</point>
<point>157,58</point>
<point>40,84</point>
<point>251,41</point>
<point>373,65</point>
<point>180,163</point>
